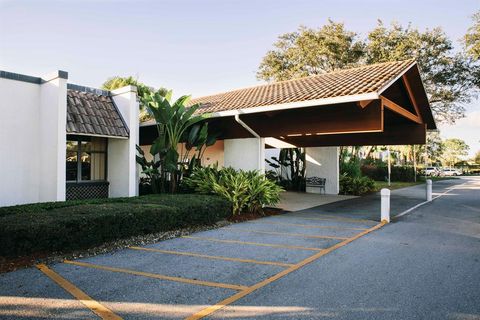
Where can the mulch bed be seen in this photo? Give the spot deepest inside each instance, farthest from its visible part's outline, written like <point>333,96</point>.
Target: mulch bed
<point>252,216</point>
<point>8,264</point>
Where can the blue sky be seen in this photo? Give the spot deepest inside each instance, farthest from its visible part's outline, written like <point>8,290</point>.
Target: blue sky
<point>195,47</point>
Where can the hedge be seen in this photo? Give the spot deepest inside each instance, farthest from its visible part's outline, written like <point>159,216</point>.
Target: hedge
<point>380,173</point>
<point>66,226</point>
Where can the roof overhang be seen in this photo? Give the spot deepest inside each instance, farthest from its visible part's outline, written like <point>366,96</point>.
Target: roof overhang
<point>395,114</point>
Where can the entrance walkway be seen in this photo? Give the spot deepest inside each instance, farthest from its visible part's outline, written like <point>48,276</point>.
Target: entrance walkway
<point>294,201</point>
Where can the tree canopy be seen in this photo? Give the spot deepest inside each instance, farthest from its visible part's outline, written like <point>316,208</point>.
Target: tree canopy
<point>449,77</point>
<point>310,51</point>
<point>472,38</point>
<point>453,150</point>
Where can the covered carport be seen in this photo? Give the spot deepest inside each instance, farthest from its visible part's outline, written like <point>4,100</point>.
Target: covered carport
<point>380,104</point>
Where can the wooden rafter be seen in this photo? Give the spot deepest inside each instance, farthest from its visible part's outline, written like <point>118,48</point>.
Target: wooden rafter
<point>411,95</point>
<point>400,110</point>
<point>363,103</point>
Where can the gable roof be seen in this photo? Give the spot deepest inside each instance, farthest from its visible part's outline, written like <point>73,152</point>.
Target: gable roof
<point>93,113</point>
<point>354,84</point>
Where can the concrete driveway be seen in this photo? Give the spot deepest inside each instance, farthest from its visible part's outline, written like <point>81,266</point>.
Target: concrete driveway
<point>303,265</point>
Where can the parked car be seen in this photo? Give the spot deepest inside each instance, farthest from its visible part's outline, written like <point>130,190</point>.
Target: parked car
<point>432,171</point>
<point>451,172</point>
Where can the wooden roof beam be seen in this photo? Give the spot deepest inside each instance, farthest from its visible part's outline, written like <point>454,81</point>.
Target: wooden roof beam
<point>411,96</point>
<point>363,103</point>
<point>389,104</point>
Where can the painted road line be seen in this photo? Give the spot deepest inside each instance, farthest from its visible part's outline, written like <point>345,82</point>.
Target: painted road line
<point>327,218</point>
<point>286,234</point>
<point>158,276</point>
<point>307,226</point>
<point>97,308</point>
<point>209,310</point>
<point>192,254</point>
<point>283,246</point>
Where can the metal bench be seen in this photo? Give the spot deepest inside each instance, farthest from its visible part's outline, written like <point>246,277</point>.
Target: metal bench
<point>316,182</point>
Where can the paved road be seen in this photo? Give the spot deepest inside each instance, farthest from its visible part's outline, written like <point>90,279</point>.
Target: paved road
<point>425,265</point>
<point>368,207</point>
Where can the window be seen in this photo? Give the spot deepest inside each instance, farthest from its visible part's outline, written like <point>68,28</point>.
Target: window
<point>86,159</point>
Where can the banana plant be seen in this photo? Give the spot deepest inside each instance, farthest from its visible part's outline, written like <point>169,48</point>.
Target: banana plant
<point>173,120</point>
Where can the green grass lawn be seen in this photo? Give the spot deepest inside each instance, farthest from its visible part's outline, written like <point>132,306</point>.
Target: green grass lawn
<point>398,185</point>
<point>394,185</point>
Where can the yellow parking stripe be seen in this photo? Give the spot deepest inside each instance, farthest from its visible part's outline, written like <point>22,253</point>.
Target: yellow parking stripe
<point>255,243</point>
<point>329,218</point>
<point>300,235</point>
<point>307,226</point>
<point>209,310</point>
<point>158,276</point>
<point>97,308</point>
<point>191,254</point>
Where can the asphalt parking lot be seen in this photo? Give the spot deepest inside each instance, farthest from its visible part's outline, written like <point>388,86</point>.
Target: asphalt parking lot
<point>328,262</point>
<point>189,277</point>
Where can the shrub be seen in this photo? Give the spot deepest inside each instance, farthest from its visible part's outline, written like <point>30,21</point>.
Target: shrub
<point>356,185</point>
<point>377,173</point>
<point>350,168</point>
<point>71,225</point>
<point>245,190</point>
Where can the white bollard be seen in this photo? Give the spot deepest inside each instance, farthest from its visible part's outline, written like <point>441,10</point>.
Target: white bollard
<point>385,204</point>
<point>429,190</point>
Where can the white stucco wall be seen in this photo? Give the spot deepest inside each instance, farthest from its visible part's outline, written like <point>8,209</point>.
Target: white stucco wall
<point>123,173</point>
<point>32,140</point>
<point>323,162</point>
<point>19,142</point>
<point>245,154</point>
<point>53,115</point>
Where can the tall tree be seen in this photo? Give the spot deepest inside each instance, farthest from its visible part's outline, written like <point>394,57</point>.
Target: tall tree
<point>454,150</point>
<point>449,77</point>
<point>472,38</point>
<point>310,51</point>
<point>477,157</point>
<point>142,90</point>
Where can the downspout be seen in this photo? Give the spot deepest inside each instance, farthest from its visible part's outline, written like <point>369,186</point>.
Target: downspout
<point>256,135</point>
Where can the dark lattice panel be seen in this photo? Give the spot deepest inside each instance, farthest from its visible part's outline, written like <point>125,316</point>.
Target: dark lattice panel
<point>77,191</point>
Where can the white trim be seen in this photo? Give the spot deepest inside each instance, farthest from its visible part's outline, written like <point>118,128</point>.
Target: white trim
<point>388,84</point>
<point>122,90</point>
<point>96,135</point>
<point>297,104</point>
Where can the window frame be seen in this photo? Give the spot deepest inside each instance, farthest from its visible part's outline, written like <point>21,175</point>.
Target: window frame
<point>79,140</point>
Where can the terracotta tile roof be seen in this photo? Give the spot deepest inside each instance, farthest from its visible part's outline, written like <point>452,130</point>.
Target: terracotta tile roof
<point>96,114</point>
<point>347,82</point>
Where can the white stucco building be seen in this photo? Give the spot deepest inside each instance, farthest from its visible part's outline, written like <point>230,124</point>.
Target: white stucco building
<point>62,141</point>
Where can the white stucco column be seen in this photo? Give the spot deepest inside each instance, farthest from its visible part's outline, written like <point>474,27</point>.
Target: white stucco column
<point>322,162</point>
<point>245,154</point>
<point>52,134</point>
<point>122,168</point>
